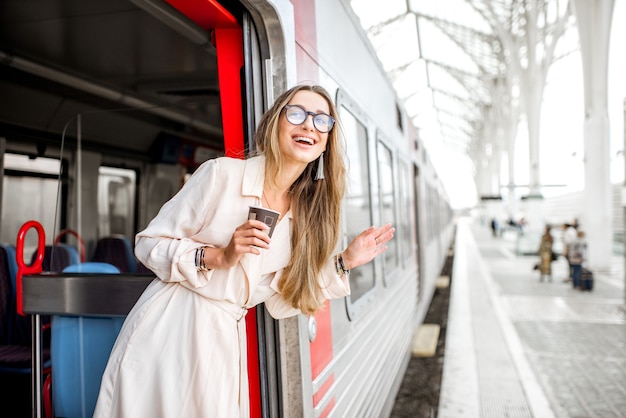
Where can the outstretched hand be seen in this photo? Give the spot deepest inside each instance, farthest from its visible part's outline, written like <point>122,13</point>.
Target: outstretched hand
<point>367,245</point>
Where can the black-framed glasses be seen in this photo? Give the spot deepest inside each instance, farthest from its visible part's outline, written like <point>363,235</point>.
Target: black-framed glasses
<point>296,115</point>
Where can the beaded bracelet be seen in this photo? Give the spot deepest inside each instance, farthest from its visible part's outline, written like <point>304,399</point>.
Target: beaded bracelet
<point>200,264</point>
<point>340,266</point>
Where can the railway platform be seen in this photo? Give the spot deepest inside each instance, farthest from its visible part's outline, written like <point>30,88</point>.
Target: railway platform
<point>519,347</point>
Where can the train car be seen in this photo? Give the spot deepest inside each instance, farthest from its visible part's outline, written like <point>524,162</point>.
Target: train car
<point>108,106</point>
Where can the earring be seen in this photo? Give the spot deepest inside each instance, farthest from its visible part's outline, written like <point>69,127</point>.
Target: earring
<point>320,168</point>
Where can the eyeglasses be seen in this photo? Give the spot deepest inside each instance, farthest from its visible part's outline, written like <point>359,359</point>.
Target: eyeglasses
<point>296,115</point>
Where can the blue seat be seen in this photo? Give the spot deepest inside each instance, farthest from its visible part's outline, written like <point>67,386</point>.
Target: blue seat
<point>116,250</point>
<point>92,267</point>
<point>57,257</point>
<point>8,268</point>
<point>15,329</point>
<point>80,349</point>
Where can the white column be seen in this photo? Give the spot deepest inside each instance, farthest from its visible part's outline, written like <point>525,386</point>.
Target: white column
<point>594,28</point>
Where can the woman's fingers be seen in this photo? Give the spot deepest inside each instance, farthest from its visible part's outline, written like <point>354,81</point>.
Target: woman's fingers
<point>247,239</point>
<point>252,232</point>
<point>383,234</point>
<point>368,245</point>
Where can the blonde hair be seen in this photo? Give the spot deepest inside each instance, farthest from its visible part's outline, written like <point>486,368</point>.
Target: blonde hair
<point>315,204</point>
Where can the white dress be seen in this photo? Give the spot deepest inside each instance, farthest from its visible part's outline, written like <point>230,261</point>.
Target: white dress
<point>181,351</point>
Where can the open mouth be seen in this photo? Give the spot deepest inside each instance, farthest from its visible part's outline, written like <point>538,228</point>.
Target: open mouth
<point>304,140</point>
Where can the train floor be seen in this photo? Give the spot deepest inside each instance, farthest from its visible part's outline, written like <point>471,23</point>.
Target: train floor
<point>516,346</point>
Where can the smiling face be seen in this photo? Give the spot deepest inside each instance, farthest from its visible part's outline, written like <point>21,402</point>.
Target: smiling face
<point>301,144</point>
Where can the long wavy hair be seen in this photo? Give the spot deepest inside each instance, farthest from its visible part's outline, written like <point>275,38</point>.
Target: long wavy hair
<point>315,204</point>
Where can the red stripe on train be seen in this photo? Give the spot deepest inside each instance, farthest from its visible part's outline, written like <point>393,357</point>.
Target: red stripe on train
<point>326,412</point>
<point>319,395</point>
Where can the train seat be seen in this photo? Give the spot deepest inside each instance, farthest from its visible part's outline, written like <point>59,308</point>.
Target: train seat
<point>57,257</point>
<point>141,269</point>
<point>92,267</point>
<point>15,329</point>
<point>7,268</point>
<point>116,250</point>
<point>80,349</point>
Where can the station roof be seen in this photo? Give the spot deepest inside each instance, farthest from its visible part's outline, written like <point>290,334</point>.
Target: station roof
<point>448,61</point>
<point>439,56</point>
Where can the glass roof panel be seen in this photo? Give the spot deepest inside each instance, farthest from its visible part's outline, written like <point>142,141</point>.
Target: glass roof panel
<point>419,102</point>
<point>410,79</point>
<point>438,47</point>
<point>456,11</point>
<point>371,14</point>
<point>442,80</point>
<point>427,121</point>
<point>396,43</point>
<point>450,119</point>
<point>455,105</point>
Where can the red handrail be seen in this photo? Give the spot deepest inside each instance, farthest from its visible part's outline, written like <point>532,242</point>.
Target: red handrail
<point>81,243</point>
<point>22,267</point>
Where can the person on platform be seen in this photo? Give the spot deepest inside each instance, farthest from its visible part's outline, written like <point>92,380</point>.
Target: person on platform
<point>495,227</point>
<point>577,255</point>
<point>546,254</point>
<point>569,236</point>
<point>181,351</point>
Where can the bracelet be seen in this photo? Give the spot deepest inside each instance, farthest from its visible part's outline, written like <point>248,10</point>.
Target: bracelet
<point>200,264</point>
<point>340,266</point>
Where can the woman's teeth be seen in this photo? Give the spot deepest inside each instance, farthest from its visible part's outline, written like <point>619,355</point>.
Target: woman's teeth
<point>305,140</point>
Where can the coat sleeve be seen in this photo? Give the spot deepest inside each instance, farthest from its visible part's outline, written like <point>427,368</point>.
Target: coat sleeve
<point>333,287</point>
<point>164,246</point>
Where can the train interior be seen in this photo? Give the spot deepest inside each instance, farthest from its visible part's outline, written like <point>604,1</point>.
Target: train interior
<point>94,95</point>
<point>131,82</point>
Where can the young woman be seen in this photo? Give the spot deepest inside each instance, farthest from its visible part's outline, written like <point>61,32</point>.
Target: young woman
<point>181,351</point>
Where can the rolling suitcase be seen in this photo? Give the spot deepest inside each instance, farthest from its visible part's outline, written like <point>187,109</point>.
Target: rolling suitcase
<point>586,280</point>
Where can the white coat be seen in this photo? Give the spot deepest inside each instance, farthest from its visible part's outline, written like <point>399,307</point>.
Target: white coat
<point>181,351</point>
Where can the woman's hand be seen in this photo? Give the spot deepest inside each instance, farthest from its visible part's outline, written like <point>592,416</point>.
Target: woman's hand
<point>247,239</point>
<point>367,245</point>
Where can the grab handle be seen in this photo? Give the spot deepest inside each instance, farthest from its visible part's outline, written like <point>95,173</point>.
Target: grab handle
<point>22,268</point>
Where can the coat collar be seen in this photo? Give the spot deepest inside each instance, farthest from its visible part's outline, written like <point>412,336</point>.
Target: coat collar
<point>253,177</point>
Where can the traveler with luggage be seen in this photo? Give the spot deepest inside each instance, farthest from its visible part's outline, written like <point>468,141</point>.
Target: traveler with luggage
<point>577,254</point>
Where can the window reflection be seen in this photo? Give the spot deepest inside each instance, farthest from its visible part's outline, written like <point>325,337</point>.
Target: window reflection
<point>404,223</point>
<point>116,201</point>
<point>388,202</point>
<point>357,208</point>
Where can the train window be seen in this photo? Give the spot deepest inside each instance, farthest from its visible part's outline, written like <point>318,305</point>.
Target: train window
<point>404,225</point>
<point>399,116</point>
<point>116,201</point>
<point>357,207</point>
<point>432,211</point>
<point>38,165</point>
<point>29,188</point>
<point>388,203</point>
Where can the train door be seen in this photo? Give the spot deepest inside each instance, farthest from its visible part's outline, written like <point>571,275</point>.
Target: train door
<point>241,96</point>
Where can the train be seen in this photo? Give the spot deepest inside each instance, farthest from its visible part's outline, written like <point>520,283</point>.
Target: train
<point>108,106</point>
